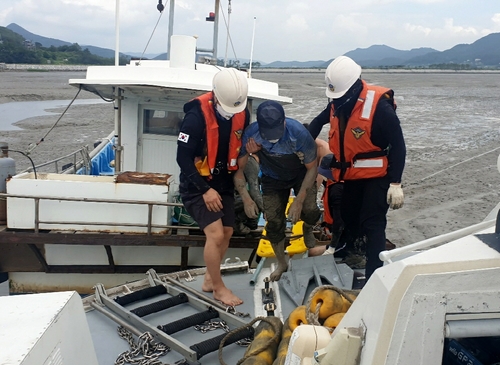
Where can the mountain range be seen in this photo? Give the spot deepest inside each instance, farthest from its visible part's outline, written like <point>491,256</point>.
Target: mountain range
<point>485,52</point>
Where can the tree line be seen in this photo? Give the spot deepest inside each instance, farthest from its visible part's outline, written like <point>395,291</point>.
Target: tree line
<point>15,49</point>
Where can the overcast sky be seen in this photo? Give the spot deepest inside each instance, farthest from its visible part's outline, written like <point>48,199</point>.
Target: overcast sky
<point>286,30</point>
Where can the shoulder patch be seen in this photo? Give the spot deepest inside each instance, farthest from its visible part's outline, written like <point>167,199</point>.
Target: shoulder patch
<point>183,137</point>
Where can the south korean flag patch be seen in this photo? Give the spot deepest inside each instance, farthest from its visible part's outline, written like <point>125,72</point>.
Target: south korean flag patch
<point>183,137</point>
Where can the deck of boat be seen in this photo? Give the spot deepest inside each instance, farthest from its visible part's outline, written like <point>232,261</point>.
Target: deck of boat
<point>23,250</point>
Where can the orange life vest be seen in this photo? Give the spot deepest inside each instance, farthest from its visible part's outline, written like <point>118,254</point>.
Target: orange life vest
<point>327,215</point>
<point>212,131</point>
<point>359,158</point>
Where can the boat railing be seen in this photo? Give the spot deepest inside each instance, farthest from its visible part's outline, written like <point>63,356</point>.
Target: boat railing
<point>79,157</point>
<point>77,162</point>
<point>149,225</point>
<point>388,256</point>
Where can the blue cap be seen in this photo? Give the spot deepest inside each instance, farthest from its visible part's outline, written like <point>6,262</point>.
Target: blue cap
<point>324,166</point>
<point>271,120</point>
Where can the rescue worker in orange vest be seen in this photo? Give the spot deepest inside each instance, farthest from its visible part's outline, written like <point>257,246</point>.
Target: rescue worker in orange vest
<point>330,193</point>
<point>207,151</point>
<point>369,152</point>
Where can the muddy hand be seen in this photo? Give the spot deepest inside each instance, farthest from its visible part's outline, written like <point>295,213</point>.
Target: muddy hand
<point>252,146</point>
<point>294,211</point>
<point>251,209</point>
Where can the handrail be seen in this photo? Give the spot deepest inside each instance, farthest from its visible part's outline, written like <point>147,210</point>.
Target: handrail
<point>150,205</point>
<point>387,256</point>
<point>82,150</point>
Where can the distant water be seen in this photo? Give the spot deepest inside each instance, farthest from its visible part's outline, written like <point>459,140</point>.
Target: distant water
<point>439,113</point>
<point>17,111</point>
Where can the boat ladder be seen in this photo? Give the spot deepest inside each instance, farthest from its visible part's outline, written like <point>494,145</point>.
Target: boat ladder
<point>175,294</point>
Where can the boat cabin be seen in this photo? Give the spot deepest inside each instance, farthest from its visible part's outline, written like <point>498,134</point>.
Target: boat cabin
<point>150,96</point>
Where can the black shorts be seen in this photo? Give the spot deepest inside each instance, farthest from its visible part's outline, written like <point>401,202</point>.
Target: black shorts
<point>196,207</point>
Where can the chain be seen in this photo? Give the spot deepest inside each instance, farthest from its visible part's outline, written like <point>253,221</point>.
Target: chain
<point>213,325</point>
<point>144,352</point>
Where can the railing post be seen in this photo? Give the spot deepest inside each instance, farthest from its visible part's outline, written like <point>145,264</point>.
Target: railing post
<point>37,214</point>
<point>150,217</point>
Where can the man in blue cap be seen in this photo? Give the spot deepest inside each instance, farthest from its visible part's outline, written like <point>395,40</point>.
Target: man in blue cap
<point>287,156</point>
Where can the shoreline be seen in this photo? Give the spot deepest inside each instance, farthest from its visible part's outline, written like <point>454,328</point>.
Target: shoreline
<point>5,67</point>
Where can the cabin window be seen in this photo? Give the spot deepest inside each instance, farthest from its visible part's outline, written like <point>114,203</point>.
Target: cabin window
<point>162,122</point>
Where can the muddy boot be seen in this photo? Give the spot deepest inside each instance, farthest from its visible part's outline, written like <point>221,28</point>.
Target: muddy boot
<point>309,238</point>
<point>279,252</point>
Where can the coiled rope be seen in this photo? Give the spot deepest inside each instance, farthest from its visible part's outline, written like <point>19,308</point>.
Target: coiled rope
<point>277,333</point>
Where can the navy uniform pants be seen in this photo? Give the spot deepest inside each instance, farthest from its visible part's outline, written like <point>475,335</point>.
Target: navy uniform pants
<point>364,212</point>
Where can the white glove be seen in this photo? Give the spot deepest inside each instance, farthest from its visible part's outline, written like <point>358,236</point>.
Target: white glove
<point>395,196</point>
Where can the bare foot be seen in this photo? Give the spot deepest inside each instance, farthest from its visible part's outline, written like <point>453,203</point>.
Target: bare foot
<point>276,274</point>
<point>207,285</point>
<point>316,251</point>
<point>227,297</point>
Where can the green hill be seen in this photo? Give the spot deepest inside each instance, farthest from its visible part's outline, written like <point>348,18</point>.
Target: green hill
<point>15,49</point>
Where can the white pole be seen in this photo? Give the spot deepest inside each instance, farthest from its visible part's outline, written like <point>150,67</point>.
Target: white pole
<point>216,30</point>
<point>251,50</point>
<point>117,33</point>
<point>227,38</point>
<point>170,26</point>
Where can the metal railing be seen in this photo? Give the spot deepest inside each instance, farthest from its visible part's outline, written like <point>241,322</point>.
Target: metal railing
<point>83,160</point>
<point>149,225</point>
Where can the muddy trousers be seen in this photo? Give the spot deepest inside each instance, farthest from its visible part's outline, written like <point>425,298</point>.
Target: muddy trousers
<point>275,195</point>
<point>364,212</point>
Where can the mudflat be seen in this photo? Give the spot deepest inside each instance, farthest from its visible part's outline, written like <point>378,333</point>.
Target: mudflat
<point>452,189</point>
<point>81,125</point>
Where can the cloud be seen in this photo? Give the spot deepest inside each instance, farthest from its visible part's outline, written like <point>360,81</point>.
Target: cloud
<point>419,29</point>
<point>296,23</point>
<point>496,21</point>
<point>285,29</point>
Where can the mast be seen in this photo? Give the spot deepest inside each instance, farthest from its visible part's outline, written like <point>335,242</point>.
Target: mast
<point>216,29</point>
<point>251,49</point>
<point>117,33</point>
<point>170,26</point>
<point>227,38</point>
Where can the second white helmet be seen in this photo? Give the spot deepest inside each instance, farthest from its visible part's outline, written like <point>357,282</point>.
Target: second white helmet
<point>340,75</point>
<point>230,86</point>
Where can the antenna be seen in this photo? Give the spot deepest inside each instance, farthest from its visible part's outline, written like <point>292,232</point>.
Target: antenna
<point>117,33</point>
<point>228,22</point>
<point>251,50</point>
<point>170,26</point>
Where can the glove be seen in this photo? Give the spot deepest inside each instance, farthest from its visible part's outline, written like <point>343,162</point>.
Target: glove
<point>395,196</point>
<point>251,209</point>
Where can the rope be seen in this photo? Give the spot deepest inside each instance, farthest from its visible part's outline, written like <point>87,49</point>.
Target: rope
<point>32,146</point>
<point>277,333</point>
<point>313,317</point>
<point>151,36</point>
<point>449,167</point>
<point>28,157</point>
<point>227,30</point>
<point>459,163</point>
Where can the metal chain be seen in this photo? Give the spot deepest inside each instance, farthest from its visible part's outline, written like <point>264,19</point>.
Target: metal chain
<point>144,352</point>
<point>213,325</point>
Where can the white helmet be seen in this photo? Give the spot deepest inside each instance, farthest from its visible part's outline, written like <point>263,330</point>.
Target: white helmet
<point>230,86</point>
<point>340,75</point>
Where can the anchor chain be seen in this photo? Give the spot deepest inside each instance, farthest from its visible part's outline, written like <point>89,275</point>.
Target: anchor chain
<point>144,352</point>
<point>213,325</point>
